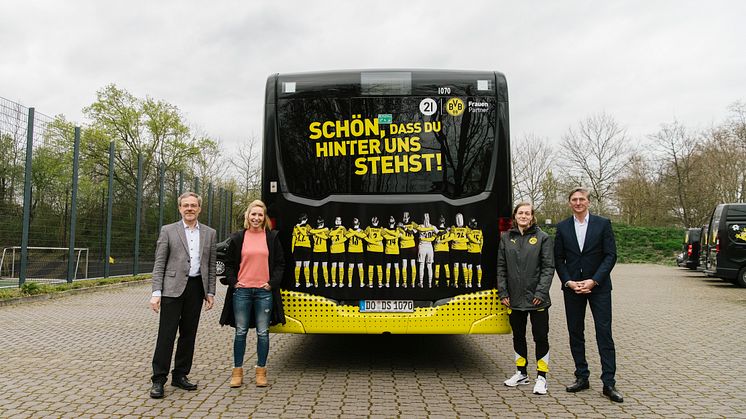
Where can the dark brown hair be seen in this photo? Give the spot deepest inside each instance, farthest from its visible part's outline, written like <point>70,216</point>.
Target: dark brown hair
<point>523,204</point>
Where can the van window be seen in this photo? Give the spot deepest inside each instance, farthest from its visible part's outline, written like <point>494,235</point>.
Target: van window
<point>737,212</point>
<point>715,223</point>
<point>737,233</point>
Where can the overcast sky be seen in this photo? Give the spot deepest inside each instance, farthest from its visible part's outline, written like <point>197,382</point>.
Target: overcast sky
<point>643,62</point>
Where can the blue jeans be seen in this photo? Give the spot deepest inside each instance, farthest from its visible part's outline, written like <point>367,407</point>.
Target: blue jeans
<point>245,302</point>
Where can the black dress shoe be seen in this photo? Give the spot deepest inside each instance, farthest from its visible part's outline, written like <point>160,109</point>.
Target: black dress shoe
<point>579,385</point>
<point>613,395</point>
<point>156,392</point>
<point>183,382</point>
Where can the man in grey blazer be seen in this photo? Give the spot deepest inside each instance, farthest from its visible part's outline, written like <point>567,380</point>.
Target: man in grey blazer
<point>183,277</point>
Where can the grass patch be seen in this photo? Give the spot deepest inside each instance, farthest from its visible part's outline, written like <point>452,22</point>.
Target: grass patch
<point>35,288</point>
<point>657,245</point>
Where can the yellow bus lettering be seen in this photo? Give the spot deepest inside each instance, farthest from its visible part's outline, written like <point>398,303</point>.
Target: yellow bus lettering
<point>315,131</point>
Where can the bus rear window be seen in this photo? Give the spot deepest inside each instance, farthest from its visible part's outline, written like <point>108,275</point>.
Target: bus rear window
<point>393,145</point>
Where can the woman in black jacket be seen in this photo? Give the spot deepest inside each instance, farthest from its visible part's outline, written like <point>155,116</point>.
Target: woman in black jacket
<point>254,266</point>
<point>525,268</point>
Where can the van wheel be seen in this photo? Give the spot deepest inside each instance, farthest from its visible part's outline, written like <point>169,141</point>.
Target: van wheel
<point>741,280</point>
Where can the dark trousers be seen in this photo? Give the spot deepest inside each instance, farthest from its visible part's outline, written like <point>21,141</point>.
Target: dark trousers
<point>600,303</point>
<point>182,314</point>
<point>539,329</point>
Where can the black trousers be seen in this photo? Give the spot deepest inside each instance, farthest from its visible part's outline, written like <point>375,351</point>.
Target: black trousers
<point>178,314</point>
<point>540,331</point>
<point>600,304</point>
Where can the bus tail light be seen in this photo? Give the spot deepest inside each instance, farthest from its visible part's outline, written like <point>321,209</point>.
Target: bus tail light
<point>504,224</point>
<point>717,243</point>
<point>689,250</point>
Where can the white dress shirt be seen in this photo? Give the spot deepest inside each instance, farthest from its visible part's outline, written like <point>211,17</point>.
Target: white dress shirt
<point>192,235</point>
<point>581,227</point>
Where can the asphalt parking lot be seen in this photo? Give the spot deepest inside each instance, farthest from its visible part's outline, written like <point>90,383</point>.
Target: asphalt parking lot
<point>680,345</point>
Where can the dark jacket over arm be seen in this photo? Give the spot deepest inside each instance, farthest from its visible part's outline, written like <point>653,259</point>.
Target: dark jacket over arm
<point>597,258</point>
<point>276,271</point>
<point>525,268</point>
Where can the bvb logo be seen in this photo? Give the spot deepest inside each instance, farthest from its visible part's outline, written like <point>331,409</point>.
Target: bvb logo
<point>532,240</point>
<point>455,106</point>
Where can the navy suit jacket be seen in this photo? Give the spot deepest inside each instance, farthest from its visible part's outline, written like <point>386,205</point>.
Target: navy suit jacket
<point>597,258</point>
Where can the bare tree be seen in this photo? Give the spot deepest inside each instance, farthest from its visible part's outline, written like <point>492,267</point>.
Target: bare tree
<point>248,165</point>
<point>532,157</point>
<point>12,141</point>
<point>724,165</point>
<point>682,165</point>
<point>209,164</point>
<point>554,192</point>
<point>736,125</point>
<point>596,152</point>
<point>640,194</point>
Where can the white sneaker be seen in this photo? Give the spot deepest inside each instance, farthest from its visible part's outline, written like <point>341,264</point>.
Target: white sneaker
<point>517,379</point>
<point>541,385</point>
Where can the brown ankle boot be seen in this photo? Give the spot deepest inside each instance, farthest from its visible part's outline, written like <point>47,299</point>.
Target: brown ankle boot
<point>237,377</point>
<point>261,376</point>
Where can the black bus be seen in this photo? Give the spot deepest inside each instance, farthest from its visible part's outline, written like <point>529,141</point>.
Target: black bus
<point>390,189</point>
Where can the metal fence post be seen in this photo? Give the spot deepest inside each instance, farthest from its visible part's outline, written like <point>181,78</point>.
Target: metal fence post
<point>181,191</point>
<point>109,209</point>
<point>71,265</point>
<point>230,213</point>
<point>138,210</point>
<point>227,201</point>
<point>220,215</point>
<point>161,192</point>
<point>209,206</point>
<point>26,198</point>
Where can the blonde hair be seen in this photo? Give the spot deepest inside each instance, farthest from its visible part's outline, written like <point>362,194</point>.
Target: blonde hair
<point>256,203</point>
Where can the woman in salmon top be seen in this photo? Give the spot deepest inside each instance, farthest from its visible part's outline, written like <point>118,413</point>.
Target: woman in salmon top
<point>254,267</point>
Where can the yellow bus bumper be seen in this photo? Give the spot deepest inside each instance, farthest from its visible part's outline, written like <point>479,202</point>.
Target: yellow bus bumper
<point>475,313</point>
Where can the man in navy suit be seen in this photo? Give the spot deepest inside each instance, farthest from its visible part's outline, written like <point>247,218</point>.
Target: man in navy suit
<point>584,254</point>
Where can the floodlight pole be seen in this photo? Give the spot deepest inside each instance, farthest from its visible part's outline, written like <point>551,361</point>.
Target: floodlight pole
<point>138,210</point>
<point>71,266</point>
<point>26,198</point>
<point>109,209</point>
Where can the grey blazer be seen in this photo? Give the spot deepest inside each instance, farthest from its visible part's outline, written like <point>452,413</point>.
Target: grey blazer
<point>171,268</point>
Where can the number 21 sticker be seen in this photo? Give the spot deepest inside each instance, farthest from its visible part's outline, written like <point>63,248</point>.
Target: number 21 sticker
<point>428,106</point>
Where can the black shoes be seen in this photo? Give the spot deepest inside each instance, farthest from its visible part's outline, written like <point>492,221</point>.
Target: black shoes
<point>183,383</point>
<point>579,385</point>
<point>156,392</point>
<point>613,395</point>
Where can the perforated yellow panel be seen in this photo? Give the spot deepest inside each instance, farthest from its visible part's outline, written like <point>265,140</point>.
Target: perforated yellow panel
<point>476,313</point>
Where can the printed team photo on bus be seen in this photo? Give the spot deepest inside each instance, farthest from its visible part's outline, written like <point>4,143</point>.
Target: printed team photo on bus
<point>390,190</point>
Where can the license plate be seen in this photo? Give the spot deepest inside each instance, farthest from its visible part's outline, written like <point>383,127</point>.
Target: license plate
<point>386,306</point>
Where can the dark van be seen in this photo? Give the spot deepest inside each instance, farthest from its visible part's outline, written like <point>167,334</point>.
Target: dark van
<point>690,250</point>
<point>704,246</point>
<point>727,243</point>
